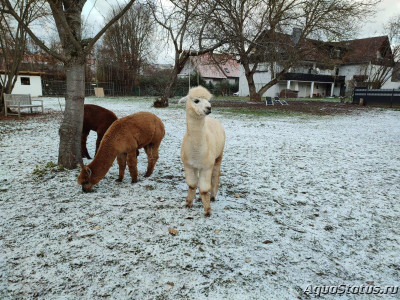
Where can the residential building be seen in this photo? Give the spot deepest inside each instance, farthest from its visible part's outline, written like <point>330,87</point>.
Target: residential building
<point>331,69</point>
<point>213,68</point>
<point>27,83</point>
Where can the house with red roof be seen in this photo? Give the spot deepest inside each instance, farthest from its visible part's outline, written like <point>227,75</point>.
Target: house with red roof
<point>332,69</point>
<point>213,68</point>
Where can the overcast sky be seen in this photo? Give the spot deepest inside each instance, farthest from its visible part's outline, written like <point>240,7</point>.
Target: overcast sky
<point>384,11</point>
<point>369,28</point>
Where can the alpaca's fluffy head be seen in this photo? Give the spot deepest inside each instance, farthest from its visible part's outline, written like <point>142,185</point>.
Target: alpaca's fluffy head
<point>84,178</point>
<point>197,102</point>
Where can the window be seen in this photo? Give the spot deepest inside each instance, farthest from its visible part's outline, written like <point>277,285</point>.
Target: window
<point>25,81</point>
<point>227,70</point>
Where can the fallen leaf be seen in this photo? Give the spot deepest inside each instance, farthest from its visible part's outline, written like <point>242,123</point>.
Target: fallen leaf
<point>217,231</point>
<point>173,231</point>
<point>238,195</point>
<point>267,242</point>
<point>371,282</point>
<point>96,227</point>
<point>170,283</point>
<point>248,260</point>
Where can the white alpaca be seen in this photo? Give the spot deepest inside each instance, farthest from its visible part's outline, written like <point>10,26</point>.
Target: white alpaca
<point>202,148</point>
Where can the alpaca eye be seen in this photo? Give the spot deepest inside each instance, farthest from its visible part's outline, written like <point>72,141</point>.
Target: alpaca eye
<point>196,101</point>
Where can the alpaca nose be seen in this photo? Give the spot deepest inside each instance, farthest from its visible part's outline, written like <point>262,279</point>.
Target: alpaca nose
<point>208,110</point>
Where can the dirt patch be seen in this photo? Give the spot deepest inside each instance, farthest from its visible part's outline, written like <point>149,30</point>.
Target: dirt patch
<point>309,107</point>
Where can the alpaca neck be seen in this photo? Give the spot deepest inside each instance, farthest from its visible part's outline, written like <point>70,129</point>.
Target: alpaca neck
<point>102,162</point>
<point>195,128</point>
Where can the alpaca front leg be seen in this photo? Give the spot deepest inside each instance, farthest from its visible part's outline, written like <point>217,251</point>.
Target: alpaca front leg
<point>192,178</point>
<point>152,157</point>
<point>215,178</point>
<point>121,159</point>
<point>84,150</point>
<point>132,164</point>
<point>205,187</point>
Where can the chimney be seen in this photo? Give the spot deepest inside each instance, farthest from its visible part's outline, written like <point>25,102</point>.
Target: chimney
<point>296,35</point>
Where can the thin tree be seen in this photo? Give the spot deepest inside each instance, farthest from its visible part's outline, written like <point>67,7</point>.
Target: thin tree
<point>67,15</point>
<point>13,42</point>
<point>127,46</point>
<point>185,22</point>
<point>381,69</point>
<point>259,31</point>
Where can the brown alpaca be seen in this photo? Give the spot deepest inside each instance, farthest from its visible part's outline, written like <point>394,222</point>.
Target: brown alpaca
<point>122,140</point>
<point>98,119</point>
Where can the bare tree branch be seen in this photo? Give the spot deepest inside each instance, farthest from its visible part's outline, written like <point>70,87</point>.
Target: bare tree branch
<point>108,25</point>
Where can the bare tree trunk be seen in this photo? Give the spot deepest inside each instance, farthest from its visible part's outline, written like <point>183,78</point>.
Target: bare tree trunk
<point>69,154</point>
<point>170,90</point>
<point>254,96</point>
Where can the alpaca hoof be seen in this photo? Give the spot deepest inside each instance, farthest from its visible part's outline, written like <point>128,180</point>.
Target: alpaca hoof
<point>189,205</point>
<point>134,181</point>
<point>199,199</point>
<point>207,213</point>
<point>212,199</point>
<point>118,180</point>
<point>148,174</point>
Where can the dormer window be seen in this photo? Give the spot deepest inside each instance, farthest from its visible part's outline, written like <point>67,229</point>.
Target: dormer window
<point>226,70</point>
<point>379,55</point>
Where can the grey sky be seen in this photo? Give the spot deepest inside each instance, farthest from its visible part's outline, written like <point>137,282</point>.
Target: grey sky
<point>384,11</point>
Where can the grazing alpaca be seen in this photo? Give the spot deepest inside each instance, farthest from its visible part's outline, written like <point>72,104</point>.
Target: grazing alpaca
<point>98,119</point>
<point>202,148</point>
<point>122,140</point>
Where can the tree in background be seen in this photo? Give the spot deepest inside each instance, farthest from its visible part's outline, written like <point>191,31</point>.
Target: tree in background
<point>13,42</point>
<point>260,32</point>
<point>184,22</point>
<point>126,48</point>
<point>67,15</point>
<point>385,67</point>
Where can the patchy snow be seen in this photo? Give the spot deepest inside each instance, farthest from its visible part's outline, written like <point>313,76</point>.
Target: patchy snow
<point>319,204</point>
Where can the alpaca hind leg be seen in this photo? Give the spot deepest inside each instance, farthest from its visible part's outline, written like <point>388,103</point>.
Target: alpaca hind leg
<point>192,178</point>
<point>84,150</point>
<point>98,141</point>
<point>205,187</point>
<point>152,157</point>
<point>132,164</point>
<point>215,178</point>
<point>121,159</point>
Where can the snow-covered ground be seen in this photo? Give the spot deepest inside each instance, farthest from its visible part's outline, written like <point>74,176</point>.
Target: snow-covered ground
<point>302,201</point>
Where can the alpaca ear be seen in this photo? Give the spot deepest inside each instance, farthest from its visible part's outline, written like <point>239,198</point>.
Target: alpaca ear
<point>80,166</point>
<point>183,100</point>
<point>88,171</point>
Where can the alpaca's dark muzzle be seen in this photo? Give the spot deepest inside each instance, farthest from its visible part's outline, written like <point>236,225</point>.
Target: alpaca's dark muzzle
<point>87,187</point>
<point>208,110</point>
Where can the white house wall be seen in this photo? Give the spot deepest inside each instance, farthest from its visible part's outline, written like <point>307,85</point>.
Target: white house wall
<point>260,79</point>
<point>34,88</point>
<point>391,85</point>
